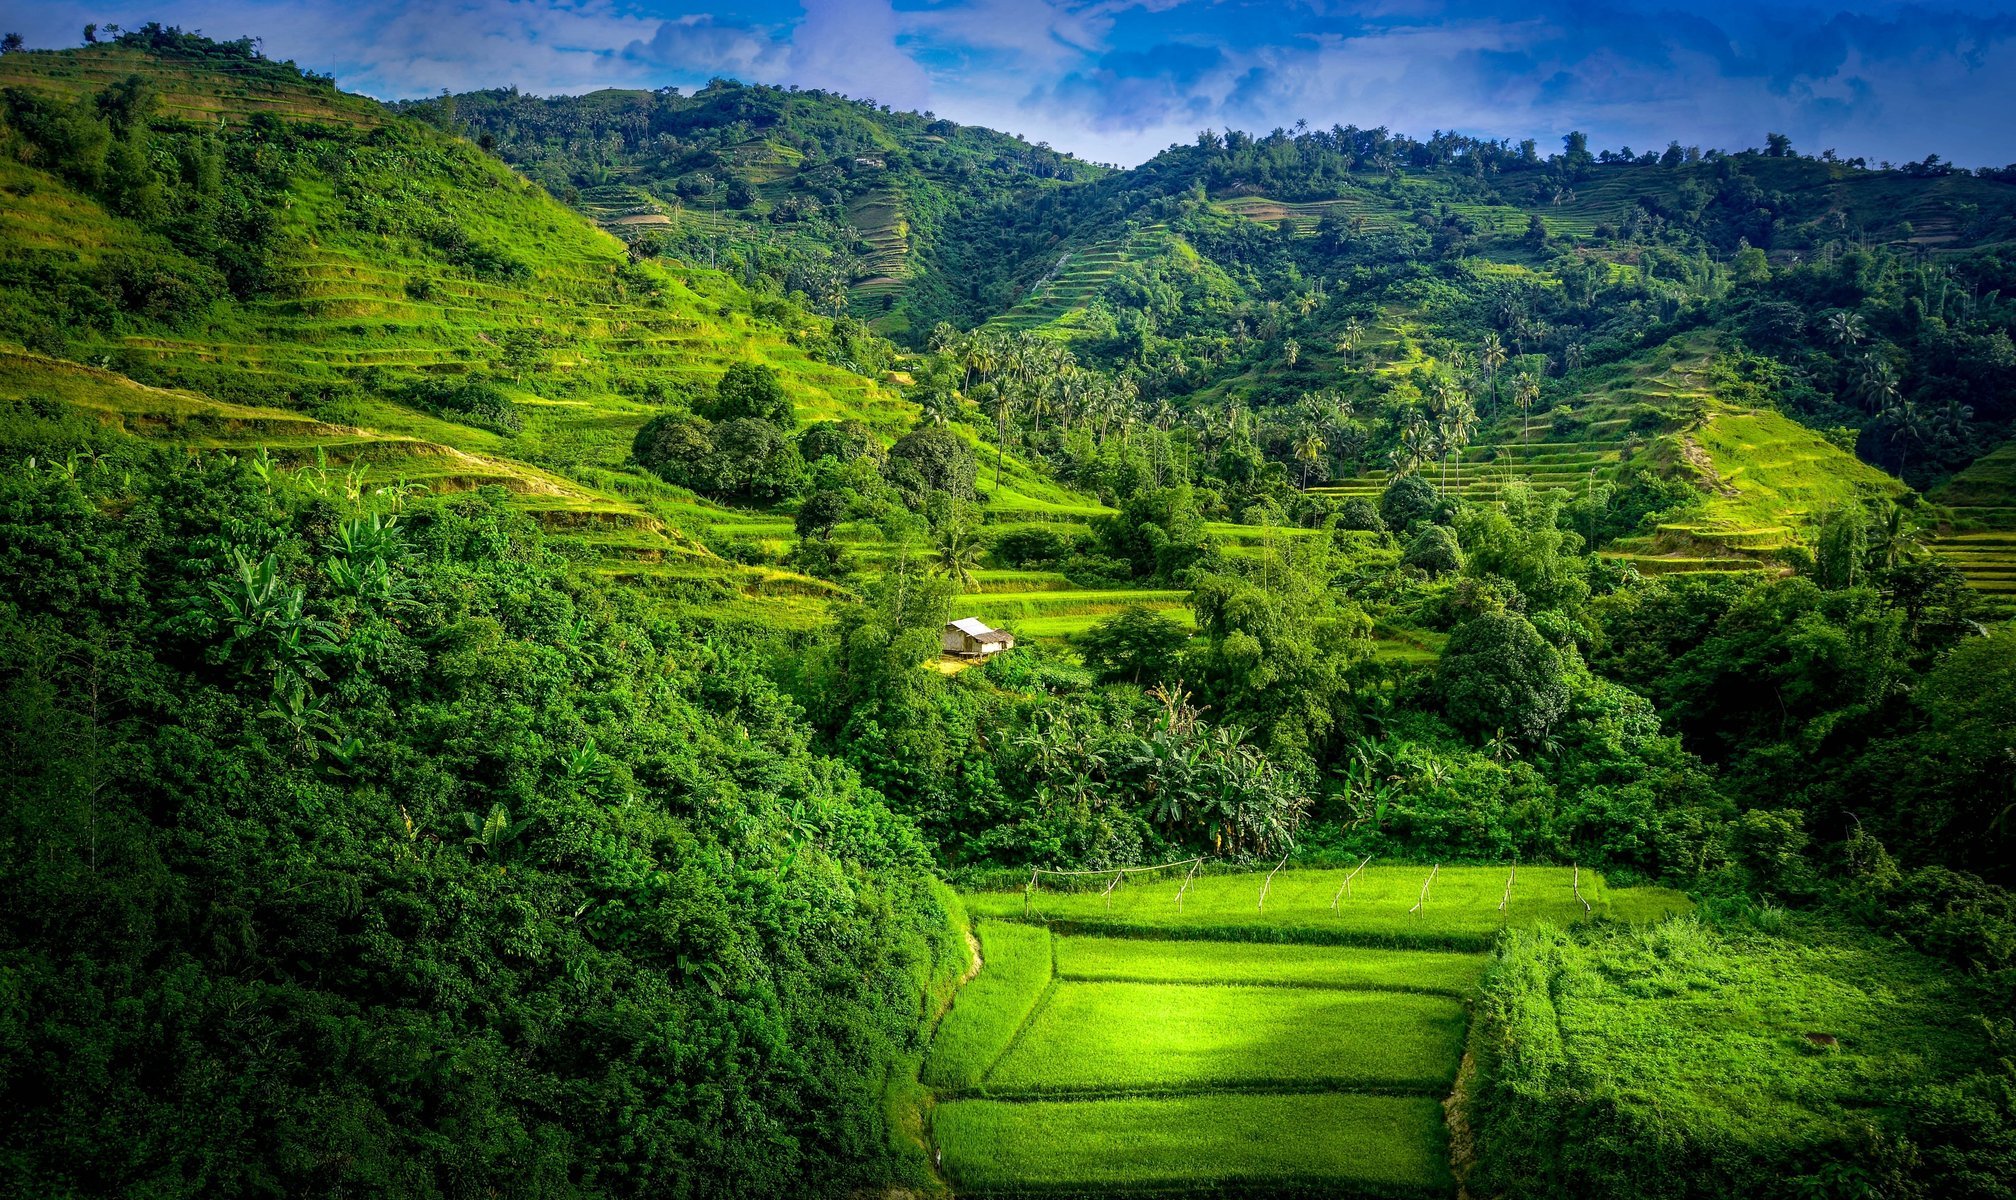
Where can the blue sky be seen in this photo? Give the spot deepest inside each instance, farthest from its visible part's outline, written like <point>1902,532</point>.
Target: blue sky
<point>1117,80</point>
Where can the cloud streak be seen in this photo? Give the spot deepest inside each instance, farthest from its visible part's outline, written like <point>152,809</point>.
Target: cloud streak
<point>1115,80</point>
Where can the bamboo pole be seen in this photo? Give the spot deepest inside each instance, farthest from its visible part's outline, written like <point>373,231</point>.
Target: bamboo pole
<point>1028,889</point>
<point>1507,897</point>
<point>1344,889</point>
<point>1108,893</point>
<point>1421,904</point>
<point>1194,864</point>
<point>1270,881</point>
<point>1577,883</point>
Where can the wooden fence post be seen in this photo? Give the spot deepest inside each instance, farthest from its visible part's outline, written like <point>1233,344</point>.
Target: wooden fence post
<point>1270,881</point>
<point>1344,889</point>
<point>1194,864</point>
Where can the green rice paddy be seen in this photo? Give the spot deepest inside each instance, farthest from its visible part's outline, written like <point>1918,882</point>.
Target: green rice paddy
<point>1326,1142</point>
<point>1140,961</point>
<point>1384,905</point>
<point>986,1013</point>
<point>1229,1045</point>
<point>1159,1037</point>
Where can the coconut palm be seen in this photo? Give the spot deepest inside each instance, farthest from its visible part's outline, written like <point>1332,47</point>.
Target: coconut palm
<point>1492,357</point>
<point>1843,328</point>
<point>1526,393</point>
<point>958,553</point>
<point>1876,383</point>
<point>1309,450</point>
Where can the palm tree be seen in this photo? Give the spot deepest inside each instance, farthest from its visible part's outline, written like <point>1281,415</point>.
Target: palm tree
<point>1309,450</point>
<point>1876,383</point>
<point>1525,393</point>
<point>1347,342</point>
<point>1574,356</point>
<point>958,554</point>
<point>1492,357</point>
<point>1843,328</point>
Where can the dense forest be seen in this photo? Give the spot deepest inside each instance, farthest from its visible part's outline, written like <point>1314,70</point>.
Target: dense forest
<point>477,718</point>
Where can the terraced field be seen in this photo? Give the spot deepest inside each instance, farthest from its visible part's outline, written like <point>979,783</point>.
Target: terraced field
<point>360,316</point>
<point>1764,478</point>
<point>1977,533</point>
<point>1277,1046</point>
<point>1074,280</point>
<point>1365,211</point>
<point>878,217</point>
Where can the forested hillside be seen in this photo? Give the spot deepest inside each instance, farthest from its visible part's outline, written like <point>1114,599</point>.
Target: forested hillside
<point>478,719</point>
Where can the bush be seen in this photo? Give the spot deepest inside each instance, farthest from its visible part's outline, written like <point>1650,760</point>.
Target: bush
<point>752,391</point>
<point>676,447</point>
<point>475,402</point>
<point>842,441</point>
<point>754,458</point>
<point>1358,513</point>
<point>1406,500</point>
<point>1497,672</point>
<point>1139,646</point>
<point>1434,550</point>
<point>931,459</point>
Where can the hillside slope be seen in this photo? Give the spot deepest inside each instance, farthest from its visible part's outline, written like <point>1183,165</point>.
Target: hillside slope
<point>846,202</point>
<point>309,253</point>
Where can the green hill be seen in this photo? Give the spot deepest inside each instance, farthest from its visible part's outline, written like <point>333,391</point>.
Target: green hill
<point>317,256</point>
<point>849,203</point>
<point>1979,535</point>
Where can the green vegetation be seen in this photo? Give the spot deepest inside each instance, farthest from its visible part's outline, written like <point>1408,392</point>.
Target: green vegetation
<point>1461,910</point>
<point>1138,961</point>
<point>1150,1037</point>
<point>1014,976</point>
<point>477,721</point>
<point>1692,1059</point>
<point>1390,1145</point>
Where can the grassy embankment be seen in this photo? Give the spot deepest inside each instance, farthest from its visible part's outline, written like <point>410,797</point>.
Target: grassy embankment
<point>1979,531</point>
<point>1245,1057</point>
<point>357,315</point>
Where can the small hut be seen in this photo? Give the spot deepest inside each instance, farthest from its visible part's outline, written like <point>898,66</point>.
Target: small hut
<point>969,637</point>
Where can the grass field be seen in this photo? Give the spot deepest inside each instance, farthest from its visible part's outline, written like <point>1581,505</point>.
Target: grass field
<point>1742,1052</point>
<point>1227,1048</point>
<point>1140,961</point>
<point>1323,1143</point>
<point>1461,910</point>
<point>1162,1037</point>
<point>986,1013</point>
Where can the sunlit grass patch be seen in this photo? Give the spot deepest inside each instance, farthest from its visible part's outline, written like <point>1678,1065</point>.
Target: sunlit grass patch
<point>1383,906</point>
<point>1143,961</point>
<point>986,1012</point>
<point>1148,1037</point>
<point>1326,1143</point>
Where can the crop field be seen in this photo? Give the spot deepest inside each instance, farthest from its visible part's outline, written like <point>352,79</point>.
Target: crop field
<point>984,1017</point>
<point>1323,1142</point>
<point>1979,532</point>
<point>1136,960</point>
<point>1229,1046</point>
<point>1156,1037</point>
<point>1384,905</point>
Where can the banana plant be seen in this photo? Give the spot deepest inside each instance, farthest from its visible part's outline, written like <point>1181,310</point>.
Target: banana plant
<point>257,610</point>
<point>494,834</point>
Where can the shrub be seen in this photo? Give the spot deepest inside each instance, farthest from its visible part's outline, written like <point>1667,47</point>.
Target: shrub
<point>1434,550</point>
<point>1497,672</point>
<point>1406,500</point>
<point>752,391</point>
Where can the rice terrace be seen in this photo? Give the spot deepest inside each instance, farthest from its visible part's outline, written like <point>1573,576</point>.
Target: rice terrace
<point>979,600</point>
<point>1285,1032</point>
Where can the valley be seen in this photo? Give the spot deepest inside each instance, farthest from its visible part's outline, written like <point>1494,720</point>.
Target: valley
<point>1507,694</point>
